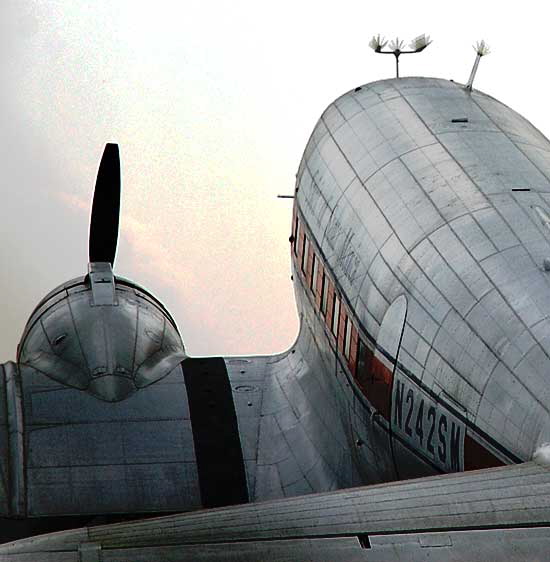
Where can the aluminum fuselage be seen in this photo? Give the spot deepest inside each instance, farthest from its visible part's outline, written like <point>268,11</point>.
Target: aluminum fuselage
<point>423,211</point>
<point>420,255</point>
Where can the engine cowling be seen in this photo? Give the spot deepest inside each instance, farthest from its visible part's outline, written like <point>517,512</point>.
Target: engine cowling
<point>101,334</point>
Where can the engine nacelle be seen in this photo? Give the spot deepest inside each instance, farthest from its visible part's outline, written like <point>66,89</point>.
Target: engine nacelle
<point>101,334</point>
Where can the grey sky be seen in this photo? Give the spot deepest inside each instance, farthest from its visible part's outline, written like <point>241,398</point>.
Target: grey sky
<point>212,104</point>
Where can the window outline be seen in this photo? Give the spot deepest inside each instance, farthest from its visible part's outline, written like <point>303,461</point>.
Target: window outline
<point>324,294</point>
<point>347,338</point>
<point>314,272</point>
<point>335,315</point>
<point>296,241</point>
<point>305,252</point>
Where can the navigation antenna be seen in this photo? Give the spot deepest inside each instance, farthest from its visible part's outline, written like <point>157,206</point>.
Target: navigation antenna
<point>377,43</point>
<point>481,49</point>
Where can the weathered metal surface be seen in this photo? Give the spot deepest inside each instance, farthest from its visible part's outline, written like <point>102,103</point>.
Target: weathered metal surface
<point>88,456</point>
<point>16,436</point>
<point>108,340</point>
<point>6,492</point>
<point>467,514</point>
<point>414,192</point>
<point>289,415</point>
<point>102,283</point>
<point>402,200</point>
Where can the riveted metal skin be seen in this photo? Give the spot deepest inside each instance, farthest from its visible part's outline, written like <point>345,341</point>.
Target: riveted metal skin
<point>419,252</point>
<point>494,514</point>
<point>108,338</point>
<point>84,456</point>
<point>400,200</point>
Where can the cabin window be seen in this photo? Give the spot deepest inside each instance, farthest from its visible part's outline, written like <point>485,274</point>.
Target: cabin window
<point>315,270</point>
<point>309,264</point>
<point>335,316</point>
<point>341,328</point>
<point>324,294</point>
<point>330,304</point>
<point>352,357</point>
<point>300,245</point>
<point>347,338</point>
<point>305,251</point>
<point>295,235</point>
<point>319,285</point>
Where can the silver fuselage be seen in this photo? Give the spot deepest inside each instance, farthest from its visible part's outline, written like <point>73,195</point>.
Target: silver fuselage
<point>428,206</point>
<point>420,251</point>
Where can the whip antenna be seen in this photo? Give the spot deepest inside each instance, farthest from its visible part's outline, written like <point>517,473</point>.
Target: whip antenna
<point>481,49</point>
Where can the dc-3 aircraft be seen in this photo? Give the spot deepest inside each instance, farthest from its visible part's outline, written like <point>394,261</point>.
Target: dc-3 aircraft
<point>409,420</point>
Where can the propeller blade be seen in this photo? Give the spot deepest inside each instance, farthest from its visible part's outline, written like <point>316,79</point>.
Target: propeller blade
<point>105,208</point>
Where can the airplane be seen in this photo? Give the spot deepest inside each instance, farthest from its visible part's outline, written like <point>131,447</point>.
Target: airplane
<point>409,420</point>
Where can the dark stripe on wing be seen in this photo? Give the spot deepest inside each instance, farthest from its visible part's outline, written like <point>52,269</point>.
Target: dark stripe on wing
<point>220,463</point>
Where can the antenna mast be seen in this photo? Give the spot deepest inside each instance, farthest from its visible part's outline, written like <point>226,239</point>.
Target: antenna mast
<point>481,49</point>
<point>377,43</point>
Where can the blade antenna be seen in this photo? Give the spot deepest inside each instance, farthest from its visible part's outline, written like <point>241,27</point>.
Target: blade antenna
<point>105,208</point>
<point>481,49</point>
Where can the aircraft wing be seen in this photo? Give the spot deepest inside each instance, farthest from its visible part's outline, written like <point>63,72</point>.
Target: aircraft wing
<point>491,514</point>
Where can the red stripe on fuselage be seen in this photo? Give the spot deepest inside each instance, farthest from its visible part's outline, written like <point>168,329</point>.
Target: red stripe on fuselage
<point>373,377</point>
<point>376,385</point>
<point>477,456</point>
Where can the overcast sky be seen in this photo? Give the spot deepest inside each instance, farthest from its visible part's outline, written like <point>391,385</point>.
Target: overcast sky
<point>212,104</point>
